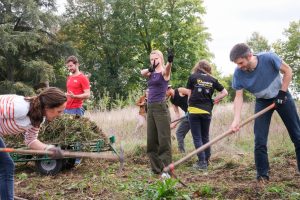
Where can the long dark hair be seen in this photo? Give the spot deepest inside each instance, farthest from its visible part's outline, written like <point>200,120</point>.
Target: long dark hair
<point>51,97</point>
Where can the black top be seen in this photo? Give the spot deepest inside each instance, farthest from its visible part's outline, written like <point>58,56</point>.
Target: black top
<point>202,87</point>
<point>180,101</point>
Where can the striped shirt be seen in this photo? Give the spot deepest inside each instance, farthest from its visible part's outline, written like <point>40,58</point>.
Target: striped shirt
<point>14,119</point>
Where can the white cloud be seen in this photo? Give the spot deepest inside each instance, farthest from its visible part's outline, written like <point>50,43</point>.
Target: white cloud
<point>233,21</point>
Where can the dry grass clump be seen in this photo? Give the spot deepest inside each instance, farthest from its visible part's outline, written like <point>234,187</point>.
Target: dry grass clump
<point>122,122</point>
<point>70,128</point>
<point>64,130</point>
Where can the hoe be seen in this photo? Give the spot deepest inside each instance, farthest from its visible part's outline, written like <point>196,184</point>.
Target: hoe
<point>170,168</point>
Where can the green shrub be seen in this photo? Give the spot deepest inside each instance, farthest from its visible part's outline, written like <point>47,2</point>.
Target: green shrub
<point>19,88</point>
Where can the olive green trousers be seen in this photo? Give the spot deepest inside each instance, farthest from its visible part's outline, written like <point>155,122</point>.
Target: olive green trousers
<point>159,136</point>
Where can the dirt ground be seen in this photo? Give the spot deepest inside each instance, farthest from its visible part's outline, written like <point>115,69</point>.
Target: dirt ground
<point>226,179</point>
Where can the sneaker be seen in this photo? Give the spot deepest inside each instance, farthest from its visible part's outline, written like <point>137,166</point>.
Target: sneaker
<point>165,175</point>
<point>78,161</point>
<point>200,165</point>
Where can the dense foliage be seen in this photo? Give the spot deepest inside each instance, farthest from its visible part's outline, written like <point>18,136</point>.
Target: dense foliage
<point>114,39</point>
<point>289,50</point>
<point>29,47</point>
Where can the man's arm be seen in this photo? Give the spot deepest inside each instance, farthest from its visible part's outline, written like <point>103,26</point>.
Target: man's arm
<point>237,107</point>
<point>85,95</point>
<point>141,101</point>
<point>287,72</point>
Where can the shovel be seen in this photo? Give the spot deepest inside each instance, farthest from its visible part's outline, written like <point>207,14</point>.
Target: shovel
<point>171,166</point>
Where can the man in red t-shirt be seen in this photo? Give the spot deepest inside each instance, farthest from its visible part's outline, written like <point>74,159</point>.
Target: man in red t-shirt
<point>78,88</point>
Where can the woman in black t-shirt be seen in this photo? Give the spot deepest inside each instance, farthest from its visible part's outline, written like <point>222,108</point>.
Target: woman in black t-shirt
<point>202,86</point>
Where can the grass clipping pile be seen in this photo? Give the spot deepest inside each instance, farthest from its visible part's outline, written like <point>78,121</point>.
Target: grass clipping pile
<point>65,130</point>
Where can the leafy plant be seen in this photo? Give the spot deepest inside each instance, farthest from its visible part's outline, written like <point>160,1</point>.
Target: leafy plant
<point>276,189</point>
<point>164,189</point>
<point>22,176</point>
<point>206,190</point>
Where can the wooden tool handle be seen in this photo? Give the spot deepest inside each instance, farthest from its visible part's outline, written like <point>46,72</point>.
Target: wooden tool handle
<point>216,139</point>
<point>65,153</point>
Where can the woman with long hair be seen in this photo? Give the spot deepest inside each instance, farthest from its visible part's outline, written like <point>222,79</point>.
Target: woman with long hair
<point>202,85</point>
<point>19,114</point>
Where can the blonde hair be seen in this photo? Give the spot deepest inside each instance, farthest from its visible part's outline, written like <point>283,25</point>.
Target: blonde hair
<point>160,54</point>
<point>202,66</point>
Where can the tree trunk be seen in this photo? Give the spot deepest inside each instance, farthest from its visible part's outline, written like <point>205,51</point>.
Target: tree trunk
<point>10,73</point>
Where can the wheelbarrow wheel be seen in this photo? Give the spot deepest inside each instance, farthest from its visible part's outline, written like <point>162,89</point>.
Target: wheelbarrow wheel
<point>69,163</point>
<point>49,167</point>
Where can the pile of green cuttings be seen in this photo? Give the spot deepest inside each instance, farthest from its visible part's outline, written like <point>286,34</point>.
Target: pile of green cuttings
<point>64,130</point>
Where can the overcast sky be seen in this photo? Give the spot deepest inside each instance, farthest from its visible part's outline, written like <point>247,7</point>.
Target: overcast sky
<point>233,21</point>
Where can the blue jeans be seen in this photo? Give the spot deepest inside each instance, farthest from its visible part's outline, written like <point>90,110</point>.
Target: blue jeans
<point>200,132</point>
<point>290,118</point>
<point>75,111</point>
<point>7,168</point>
<point>181,132</point>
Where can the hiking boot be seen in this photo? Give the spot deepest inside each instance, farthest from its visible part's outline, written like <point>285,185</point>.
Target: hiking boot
<point>200,165</point>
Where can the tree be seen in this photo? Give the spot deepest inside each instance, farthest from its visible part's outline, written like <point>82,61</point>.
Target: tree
<point>227,83</point>
<point>289,51</point>
<point>258,43</point>
<point>115,38</point>
<point>27,39</point>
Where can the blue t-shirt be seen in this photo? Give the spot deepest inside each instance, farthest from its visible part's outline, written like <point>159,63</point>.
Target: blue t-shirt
<point>265,81</point>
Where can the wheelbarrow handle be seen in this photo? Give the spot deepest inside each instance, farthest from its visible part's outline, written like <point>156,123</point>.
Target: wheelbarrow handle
<point>216,139</point>
<point>65,153</point>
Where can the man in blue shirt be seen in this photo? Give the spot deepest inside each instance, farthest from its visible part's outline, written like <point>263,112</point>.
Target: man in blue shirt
<point>260,75</point>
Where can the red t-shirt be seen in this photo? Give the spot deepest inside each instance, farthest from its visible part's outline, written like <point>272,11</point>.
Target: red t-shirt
<point>76,85</point>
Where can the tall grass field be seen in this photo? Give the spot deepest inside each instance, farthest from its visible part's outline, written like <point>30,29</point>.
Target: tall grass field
<point>231,173</point>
